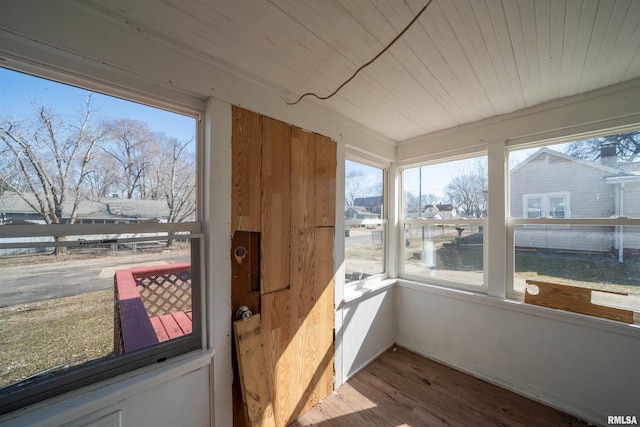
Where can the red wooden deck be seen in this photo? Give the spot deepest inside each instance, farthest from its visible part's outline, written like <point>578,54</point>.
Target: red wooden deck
<point>165,287</point>
<point>172,325</point>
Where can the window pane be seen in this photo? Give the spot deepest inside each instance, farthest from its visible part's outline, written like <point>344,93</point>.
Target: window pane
<point>594,178</point>
<point>447,190</point>
<point>70,156</point>
<point>534,207</point>
<point>603,258</point>
<point>446,252</point>
<point>556,207</point>
<point>95,301</point>
<point>365,230</point>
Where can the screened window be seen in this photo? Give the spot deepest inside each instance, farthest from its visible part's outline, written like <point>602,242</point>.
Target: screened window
<point>573,210</point>
<point>99,237</point>
<point>443,220</point>
<point>365,221</point>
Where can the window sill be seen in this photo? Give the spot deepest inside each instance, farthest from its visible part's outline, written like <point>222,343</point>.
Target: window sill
<point>632,330</point>
<point>366,288</point>
<point>105,394</point>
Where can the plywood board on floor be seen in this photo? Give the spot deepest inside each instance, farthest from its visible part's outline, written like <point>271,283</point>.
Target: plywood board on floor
<point>253,372</point>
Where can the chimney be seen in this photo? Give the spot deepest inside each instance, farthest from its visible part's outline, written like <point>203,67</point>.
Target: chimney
<point>608,155</point>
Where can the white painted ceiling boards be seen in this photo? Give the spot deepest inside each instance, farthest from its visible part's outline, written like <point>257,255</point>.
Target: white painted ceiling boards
<point>462,61</point>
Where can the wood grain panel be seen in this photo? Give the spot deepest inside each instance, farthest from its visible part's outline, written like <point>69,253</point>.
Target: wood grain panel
<point>253,376</point>
<point>245,271</point>
<point>280,353</point>
<point>298,326</point>
<point>574,299</point>
<point>303,178</point>
<point>276,205</point>
<point>302,272</point>
<point>245,170</point>
<point>325,204</point>
<point>324,312</point>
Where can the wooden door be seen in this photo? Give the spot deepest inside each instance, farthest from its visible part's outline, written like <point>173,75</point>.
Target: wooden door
<point>294,214</point>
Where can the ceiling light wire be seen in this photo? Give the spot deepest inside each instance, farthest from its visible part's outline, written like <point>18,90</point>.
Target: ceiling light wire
<point>322,98</point>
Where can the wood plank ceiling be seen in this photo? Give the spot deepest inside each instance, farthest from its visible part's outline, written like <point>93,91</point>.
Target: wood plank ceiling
<point>462,61</point>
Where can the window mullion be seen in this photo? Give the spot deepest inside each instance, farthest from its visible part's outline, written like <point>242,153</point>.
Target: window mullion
<point>496,236</point>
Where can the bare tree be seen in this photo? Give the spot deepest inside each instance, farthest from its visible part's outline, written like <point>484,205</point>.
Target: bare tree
<point>625,146</point>
<point>45,160</point>
<point>103,180</point>
<point>179,179</point>
<point>354,187</point>
<point>132,145</point>
<point>468,190</point>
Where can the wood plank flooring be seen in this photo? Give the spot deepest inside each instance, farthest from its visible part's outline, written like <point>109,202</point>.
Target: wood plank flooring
<point>403,389</point>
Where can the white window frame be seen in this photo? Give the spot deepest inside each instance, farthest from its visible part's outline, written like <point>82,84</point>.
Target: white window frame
<point>383,221</point>
<point>545,204</point>
<point>547,221</point>
<point>20,395</point>
<point>403,222</point>
<point>512,223</point>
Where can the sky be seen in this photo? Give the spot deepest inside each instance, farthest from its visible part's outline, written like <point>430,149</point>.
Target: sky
<point>436,177</point>
<point>19,92</point>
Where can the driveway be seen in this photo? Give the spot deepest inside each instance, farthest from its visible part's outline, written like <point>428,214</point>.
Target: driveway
<point>33,283</point>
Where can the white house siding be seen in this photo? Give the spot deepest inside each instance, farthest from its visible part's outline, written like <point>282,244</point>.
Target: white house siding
<point>589,197</point>
<point>18,251</point>
<point>573,238</point>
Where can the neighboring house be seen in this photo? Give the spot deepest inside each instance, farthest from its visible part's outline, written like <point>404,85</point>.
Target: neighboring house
<point>14,208</point>
<point>359,212</point>
<point>440,211</point>
<point>553,184</point>
<point>371,204</point>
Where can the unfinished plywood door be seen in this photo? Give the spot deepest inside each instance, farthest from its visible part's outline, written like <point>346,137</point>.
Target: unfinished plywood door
<point>295,219</point>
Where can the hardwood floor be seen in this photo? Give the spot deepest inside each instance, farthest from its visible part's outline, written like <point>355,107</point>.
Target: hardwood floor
<point>403,389</point>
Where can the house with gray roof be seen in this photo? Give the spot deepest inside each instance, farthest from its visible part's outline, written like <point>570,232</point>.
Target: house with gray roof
<point>359,212</point>
<point>439,211</point>
<point>16,208</point>
<point>372,204</point>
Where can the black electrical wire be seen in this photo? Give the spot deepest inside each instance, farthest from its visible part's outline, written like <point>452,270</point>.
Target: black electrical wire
<point>368,63</point>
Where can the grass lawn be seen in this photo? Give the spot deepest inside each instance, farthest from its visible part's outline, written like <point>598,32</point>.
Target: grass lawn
<point>57,333</point>
<point>600,271</point>
<point>594,270</point>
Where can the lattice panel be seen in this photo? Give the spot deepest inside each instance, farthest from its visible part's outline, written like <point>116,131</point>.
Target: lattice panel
<point>165,293</point>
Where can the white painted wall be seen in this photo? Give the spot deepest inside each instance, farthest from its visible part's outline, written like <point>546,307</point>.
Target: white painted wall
<point>149,397</point>
<point>368,327</point>
<point>578,364</point>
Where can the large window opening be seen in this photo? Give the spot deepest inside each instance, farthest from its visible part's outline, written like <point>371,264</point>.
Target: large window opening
<point>443,218</point>
<point>99,237</point>
<point>365,221</point>
<point>572,208</point>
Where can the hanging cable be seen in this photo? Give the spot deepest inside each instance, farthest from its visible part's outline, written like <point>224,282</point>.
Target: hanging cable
<point>368,63</point>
